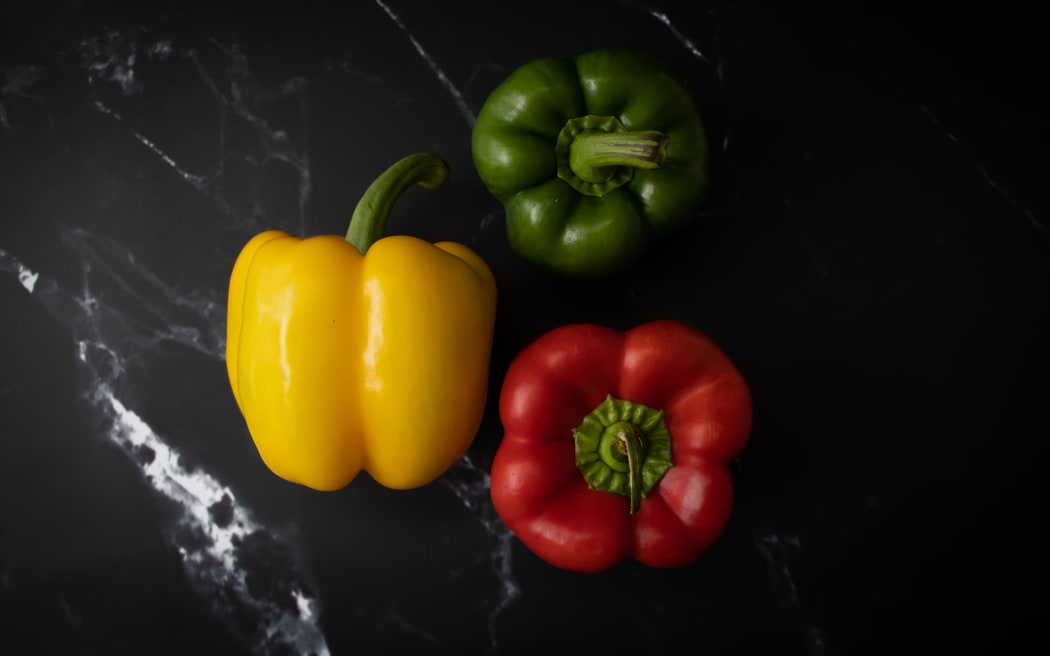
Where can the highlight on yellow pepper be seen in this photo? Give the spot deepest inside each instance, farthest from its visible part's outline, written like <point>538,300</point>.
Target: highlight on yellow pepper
<point>365,352</point>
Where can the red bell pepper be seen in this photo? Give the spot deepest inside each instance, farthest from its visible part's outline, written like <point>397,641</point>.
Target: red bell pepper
<point>617,444</point>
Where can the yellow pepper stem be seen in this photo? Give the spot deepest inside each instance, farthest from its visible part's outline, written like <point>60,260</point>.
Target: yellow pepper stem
<point>368,223</point>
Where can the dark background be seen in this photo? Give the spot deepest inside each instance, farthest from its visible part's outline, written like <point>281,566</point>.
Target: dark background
<point>874,258</point>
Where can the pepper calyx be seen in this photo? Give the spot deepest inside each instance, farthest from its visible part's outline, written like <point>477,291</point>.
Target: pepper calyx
<point>623,447</point>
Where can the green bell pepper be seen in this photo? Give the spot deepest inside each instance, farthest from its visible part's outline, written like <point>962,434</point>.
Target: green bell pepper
<point>592,159</point>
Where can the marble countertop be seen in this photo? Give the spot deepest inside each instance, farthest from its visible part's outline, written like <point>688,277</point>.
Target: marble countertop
<point>874,258</point>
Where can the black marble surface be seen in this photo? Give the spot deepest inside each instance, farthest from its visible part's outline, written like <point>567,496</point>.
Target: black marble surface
<point>874,259</point>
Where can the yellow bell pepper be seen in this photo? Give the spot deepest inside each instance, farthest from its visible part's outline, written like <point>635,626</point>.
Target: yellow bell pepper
<point>364,352</point>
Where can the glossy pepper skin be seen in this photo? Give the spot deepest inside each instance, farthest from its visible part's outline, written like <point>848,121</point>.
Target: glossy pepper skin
<point>591,158</point>
<point>556,399</point>
<point>361,352</point>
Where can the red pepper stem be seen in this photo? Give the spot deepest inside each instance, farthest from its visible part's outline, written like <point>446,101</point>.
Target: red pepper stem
<point>631,443</point>
<point>624,448</point>
<point>368,223</point>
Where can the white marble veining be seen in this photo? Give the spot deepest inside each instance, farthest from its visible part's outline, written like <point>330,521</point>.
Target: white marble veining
<point>105,339</point>
<point>982,169</point>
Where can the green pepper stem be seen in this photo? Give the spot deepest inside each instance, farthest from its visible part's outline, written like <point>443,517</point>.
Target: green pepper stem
<point>368,223</point>
<point>596,154</point>
<point>593,154</point>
